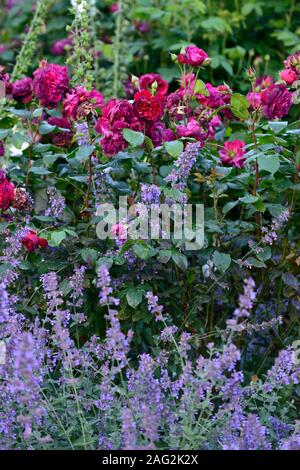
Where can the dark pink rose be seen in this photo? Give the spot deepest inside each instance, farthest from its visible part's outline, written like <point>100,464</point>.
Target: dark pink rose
<point>145,82</point>
<point>158,133</point>
<point>59,47</point>
<point>254,99</point>
<point>50,83</point>
<point>262,83</point>
<point>193,56</point>
<point>212,125</point>
<point>112,143</point>
<point>276,101</point>
<point>288,75</point>
<point>192,129</point>
<point>22,90</point>
<point>114,8</point>
<point>214,100</point>
<point>2,149</point>
<point>232,153</point>
<point>7,193</point>
<point>121,112</point>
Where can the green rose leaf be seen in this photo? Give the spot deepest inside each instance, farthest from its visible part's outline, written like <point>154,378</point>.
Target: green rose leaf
<point>133,138</point>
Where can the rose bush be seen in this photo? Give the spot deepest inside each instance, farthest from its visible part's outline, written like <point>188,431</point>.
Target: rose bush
<point>124,343</point>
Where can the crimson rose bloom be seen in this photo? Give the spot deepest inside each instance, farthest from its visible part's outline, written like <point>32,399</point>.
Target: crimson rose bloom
<point>193,56</point>
<point>22,90</point>
<point>276,101</point>
<point>32,241</point>
<point>148,107</point>
<point>233,153</point>
<point>145,82</point>
<point>7,193</point>
<point>50,83</point>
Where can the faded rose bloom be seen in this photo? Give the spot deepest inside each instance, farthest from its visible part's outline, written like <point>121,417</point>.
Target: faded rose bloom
<point>288,75</point>
<point>32,241</point>
<point>276,101</point>
<point>193,56</point>
<point>254,99</point>
<point>233,153</point>
<point>112,143</point>
<point>79,102</point>
<point>7,192</point>
<point>293,62</point>
<point>146,81</point>
<point>61,138</point>
<point>50,83</point>
<point>262,83</point>
<point>5,78</point>
<point>59,47</point>
<point>158,133</point>
<point>175,106</point>
<point>22,200</point>
<point>2,149</point>
<point>22,90</point>
<point>148,107</point>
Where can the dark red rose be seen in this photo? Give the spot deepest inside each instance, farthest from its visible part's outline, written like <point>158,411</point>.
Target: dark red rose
<point>32,241</point>
<point>22,90</point>
<point>50,83</point>
<point>146,81</point>
<point>148,107</point>
<point>276,101</point>
<point>7,192</point>
<point>192,55</point>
